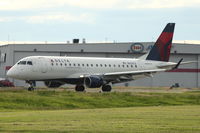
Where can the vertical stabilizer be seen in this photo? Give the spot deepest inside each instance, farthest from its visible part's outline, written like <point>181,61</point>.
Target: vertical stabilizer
<point>161,49</point>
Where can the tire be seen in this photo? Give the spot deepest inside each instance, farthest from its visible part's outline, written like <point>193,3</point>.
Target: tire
<point>106,88</point>
<point>30,89</point>
<point>80,88</point>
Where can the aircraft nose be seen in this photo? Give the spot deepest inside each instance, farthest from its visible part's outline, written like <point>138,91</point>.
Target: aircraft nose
<point>11,73</point>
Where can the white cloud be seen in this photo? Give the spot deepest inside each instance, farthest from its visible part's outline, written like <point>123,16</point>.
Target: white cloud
<point>61,17</point>
<point>7,19</point>
<point>43,4</point>
<point>26,4</point>
<point>131,4</point>
<point>52,17</point>
<point>163,3</point>
<point>95,4</point>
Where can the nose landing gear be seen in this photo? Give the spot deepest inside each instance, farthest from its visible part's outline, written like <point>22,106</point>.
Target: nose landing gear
<point>31,85</point>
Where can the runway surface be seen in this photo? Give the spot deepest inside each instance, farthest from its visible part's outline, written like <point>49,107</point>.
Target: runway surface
<point>143,89</point>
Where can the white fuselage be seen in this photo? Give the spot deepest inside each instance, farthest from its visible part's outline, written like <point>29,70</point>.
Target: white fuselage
<point>55,67</point>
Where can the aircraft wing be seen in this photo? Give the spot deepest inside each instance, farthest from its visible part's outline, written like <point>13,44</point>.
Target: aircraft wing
<point>132,73</point>
<point>119,77</point>
<point>176,65</point>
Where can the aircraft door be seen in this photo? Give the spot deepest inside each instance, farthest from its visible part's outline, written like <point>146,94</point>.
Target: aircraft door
<point>35,66</point>
<point>43,67</point>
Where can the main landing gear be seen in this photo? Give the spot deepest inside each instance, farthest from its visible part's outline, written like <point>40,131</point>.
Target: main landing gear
<point>106,88</point>
<point>80,88</point>
<point>31,85</point>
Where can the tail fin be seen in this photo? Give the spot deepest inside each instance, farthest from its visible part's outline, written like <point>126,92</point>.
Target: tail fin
<point>161,49</point>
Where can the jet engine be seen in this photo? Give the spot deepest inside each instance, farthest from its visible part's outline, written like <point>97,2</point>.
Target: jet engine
<point>53,84</point>
<point>93,82</point>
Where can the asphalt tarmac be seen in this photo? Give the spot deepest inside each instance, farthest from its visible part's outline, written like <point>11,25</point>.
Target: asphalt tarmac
<point>145,89</point>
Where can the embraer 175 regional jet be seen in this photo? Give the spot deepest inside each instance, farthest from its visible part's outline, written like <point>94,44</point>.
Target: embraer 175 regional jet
<point>96,72</point>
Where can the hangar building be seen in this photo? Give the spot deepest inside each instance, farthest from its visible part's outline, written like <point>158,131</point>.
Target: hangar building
<point>186,76</point>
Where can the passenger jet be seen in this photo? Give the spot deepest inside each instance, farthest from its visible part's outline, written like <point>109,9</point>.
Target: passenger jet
<point>96,72</point>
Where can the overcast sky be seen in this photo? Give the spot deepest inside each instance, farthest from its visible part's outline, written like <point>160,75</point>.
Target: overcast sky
<point>97,20</point>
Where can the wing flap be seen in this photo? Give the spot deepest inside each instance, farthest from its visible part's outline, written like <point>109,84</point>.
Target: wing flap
<point>138,72</point>
<point>124,74</point>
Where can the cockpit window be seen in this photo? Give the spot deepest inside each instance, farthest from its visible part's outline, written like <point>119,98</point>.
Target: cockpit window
<point>22,63</point>
<point>25,63</point>
<point>29,63</point>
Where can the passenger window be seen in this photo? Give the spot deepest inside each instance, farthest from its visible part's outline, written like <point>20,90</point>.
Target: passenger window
<point>135,66</point>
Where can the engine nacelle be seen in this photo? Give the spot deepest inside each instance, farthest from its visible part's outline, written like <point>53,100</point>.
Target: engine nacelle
<point>93,82</point>
<point>52,84</point>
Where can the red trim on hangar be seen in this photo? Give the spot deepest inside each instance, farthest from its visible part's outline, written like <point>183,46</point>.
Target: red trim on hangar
<point>185,70</point>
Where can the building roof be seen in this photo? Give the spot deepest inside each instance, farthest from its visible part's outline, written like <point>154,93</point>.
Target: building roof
<point>103,42</point>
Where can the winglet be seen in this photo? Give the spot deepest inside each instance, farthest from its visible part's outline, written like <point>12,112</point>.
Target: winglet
<point>177,65</point>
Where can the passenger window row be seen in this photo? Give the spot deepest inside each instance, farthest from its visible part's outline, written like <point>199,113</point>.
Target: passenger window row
<point>92,65</point>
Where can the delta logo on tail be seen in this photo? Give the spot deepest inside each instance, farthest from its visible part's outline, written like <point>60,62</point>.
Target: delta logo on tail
<point>161,49</point>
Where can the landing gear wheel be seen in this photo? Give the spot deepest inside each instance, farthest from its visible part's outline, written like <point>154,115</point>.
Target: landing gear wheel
<point>106,88</point>
<point>31,85</point>
<point>30,89</point>
<point>80,88</point>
